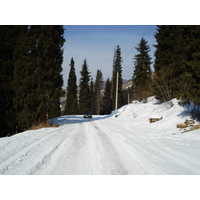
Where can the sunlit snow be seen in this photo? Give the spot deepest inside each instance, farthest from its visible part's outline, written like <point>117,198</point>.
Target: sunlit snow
<point>127,144</point>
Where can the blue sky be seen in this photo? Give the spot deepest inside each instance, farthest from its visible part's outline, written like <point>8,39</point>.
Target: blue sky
<point>96,44</point>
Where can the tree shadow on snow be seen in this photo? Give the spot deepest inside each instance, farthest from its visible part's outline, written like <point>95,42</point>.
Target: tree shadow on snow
<point>192,111</point>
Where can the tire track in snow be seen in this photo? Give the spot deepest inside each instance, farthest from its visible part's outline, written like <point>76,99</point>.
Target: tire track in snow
<point>156,157</point>
<point>86,151</point>
<point>36,150</point>
<point>105,156</point>
<point>134,162</point>
<point>93,148</point>
<point>67,159</point>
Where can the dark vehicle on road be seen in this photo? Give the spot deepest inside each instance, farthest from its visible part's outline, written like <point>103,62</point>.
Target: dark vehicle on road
<point>87,114</point>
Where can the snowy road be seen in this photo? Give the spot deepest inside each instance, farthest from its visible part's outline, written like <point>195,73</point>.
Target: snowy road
<point>88,150</point>
<point>104,145</point>
<point>86,147</point>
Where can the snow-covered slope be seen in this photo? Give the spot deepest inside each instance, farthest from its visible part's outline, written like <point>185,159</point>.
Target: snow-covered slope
<point>127,144</point>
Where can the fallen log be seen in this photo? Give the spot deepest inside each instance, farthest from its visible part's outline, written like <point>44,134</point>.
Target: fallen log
<point>152,120</point>
<point>181,125</point>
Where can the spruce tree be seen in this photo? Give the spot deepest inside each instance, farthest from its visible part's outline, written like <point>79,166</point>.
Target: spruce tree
<point>169,61</point>
<point>37,74</point>
<point>190,79</point>
<point>25,80</point>
<point>98,86</point>
<point>31,59</point>
<point>117,66</point>
<point>50,58</point>
<point>8,38</point>
<point>107,102</point>
<point>71,107</point>
<point>84,94</point>
<point>169,49</point>
<point>92,97</point>
<point>177,63</point>
<point>142,72</point>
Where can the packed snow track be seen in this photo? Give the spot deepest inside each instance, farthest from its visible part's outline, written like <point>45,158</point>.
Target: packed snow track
<point>77,148</point>
<point>126,145</point>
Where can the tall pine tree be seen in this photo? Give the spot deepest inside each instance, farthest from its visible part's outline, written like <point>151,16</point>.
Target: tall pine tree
<point>98,86</point>
<point>107,102</point>
<point>190,79</point>
<point>92,97</point>
<point>71,106</point>
<point>142,72</point>
<point>37,74</point>
<point>169,61</point>
<point>8,38</point>
<point>177,71</point>
<point>84,94</point>
<point>50,57</point>
<point>25,80</point>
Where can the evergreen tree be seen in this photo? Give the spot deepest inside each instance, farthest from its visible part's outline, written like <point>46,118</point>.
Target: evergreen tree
<point>25,80</point>
<point>117,66</point>
<point>71,107</point>
<point>37,74</point>
<point>84,95</point>
<point>142,71</point>
<point>98,86</point>
<point>169,49</point>
<point>177,63</point>
<point>50,58</point>
<point>169,61</point>
<point>30,77</point>
<point>107,102</point>
<point>190,79</point>
<point>8,37</point>
<point>92,97</point>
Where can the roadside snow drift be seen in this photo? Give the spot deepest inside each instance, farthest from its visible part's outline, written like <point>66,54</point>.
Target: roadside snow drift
<point>127,144</point>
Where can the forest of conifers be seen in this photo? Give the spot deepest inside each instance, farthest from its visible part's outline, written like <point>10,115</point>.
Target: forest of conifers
<point>31,83</point>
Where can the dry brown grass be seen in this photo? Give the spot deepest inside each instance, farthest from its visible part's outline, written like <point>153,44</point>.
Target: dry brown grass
<point>42,125</point>
<point>35,127</point>
<point>192,128</point>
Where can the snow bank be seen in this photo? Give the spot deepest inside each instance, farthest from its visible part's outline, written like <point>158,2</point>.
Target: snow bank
<point>154,109</point>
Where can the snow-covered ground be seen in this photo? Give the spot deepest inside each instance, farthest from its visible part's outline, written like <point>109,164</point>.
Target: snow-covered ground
<point>106,145</point>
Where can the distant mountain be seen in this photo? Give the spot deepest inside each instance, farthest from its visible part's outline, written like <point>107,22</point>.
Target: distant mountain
<point>126,84</point>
